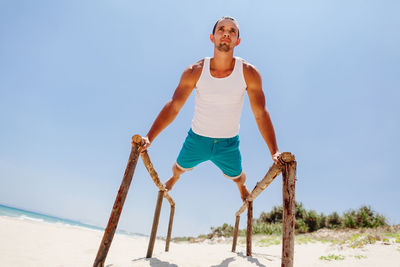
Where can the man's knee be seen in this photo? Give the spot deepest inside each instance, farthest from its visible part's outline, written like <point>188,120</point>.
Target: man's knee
<point>177,170</point>
<point>241,179</point>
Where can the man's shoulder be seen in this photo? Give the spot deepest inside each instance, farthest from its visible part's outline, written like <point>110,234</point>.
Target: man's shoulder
<point>247,66</point>
<point>194,70</point>
<point>197,66</point>
<point>250,71</point>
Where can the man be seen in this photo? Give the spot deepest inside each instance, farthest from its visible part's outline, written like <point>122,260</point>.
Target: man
<point>220,83</point>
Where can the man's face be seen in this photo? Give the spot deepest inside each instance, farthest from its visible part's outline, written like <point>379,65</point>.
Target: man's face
<point>225,37</point>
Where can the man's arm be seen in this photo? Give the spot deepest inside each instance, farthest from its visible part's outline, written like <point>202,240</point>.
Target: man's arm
<point>261,114</point>
<point>171,109</point>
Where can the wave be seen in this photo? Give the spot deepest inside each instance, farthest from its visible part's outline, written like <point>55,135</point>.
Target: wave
<point>27,218</point>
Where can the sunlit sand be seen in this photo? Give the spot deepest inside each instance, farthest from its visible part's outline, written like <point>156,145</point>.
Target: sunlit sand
<point>35,243</point>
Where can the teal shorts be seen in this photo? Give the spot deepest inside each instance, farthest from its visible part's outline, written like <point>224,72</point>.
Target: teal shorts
<point>223,152</point>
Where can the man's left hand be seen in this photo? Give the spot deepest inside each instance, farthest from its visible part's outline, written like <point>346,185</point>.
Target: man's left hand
<point>275,157</point>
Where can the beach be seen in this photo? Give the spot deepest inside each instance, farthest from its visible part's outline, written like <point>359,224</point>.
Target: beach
<point>29,242</point>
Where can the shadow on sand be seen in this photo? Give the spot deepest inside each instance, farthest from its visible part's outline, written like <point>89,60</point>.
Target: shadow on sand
<point>254,260</point>
<point>227,261</point>
<point>224,263</point>
<point>156,262</point>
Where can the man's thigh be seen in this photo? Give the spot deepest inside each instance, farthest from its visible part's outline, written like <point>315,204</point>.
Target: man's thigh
<point>195,150</point>
<point>227,157</point>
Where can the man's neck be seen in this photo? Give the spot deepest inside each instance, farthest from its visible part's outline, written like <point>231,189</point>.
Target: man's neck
<point>222,60</point>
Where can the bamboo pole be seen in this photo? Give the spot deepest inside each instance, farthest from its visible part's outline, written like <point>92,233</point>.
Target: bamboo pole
<point>289,216</point>
<point>235,233</point>
<point>119,203</point>
<point>284,159</point>
<point>272,173</point>
<point>171,219</point>
<point>154,176</point>
<point>249,227</point>
<point>155,224</point>
<point>161,186</point>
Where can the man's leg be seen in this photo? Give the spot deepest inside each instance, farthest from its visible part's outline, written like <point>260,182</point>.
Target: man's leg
<point>176,173</point>
<point>195,149</point>
<point>244,192</point>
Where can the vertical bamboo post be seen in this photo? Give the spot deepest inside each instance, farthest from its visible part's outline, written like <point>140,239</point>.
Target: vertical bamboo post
<point>155,224</point>
<point>119,203</point>
<point>249,228</point>
<point>161,186</point>
<point>171,220</point>
<point>289,209</point>
<point>235,233</point>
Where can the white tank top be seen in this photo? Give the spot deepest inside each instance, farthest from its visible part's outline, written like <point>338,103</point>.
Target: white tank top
<point>219,102</point>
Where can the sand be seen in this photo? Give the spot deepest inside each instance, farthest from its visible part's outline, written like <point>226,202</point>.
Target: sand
<point>34,243</point>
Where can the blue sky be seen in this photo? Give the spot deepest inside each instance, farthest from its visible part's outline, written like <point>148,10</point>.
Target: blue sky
<point>79,78</point>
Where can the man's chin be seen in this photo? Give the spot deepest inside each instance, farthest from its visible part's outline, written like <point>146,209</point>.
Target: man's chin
<point>223,48</point>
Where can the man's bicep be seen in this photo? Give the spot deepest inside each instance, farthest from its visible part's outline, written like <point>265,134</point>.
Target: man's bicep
<point>254,87</point>
<point>181,94</point>
<point>184,88</point>
<point>257,100</point>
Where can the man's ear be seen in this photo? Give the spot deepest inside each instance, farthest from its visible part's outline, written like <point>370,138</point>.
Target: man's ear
<point>212,37</point>
<point>238,41</point>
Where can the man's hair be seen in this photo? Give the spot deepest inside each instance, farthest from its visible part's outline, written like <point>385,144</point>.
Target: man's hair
<point>226,17</point>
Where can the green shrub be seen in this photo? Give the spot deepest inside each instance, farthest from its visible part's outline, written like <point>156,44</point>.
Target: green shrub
<point>300,211</point>
<point>322,221</point>
<point>224,230</point>
<point>334,220</point>
<point>267,228</point>
<point>301,227</point>
<point>364,217</point>
<point>379,220</point>
<point>311,221</point>
<point>349,219</point>
<point>306,221</point>
<point>274,216</point>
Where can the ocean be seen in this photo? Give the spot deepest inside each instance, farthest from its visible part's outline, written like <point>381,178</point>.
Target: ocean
<point>34,216</point>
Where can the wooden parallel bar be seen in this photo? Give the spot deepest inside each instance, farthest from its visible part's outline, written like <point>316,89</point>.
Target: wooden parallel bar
<point>249,228</point>
<point>171,220</point>
<point>119,203</point>
<point>154,176</point>
<point>155,224</point>
<point>289,213</point>
<point>150,168</point>
<point>235,233</point>
<point>286,163</point>
<point>273,172</point>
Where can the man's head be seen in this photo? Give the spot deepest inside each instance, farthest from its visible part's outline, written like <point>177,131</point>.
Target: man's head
<point>229,18</point>
<point>225,34</point>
